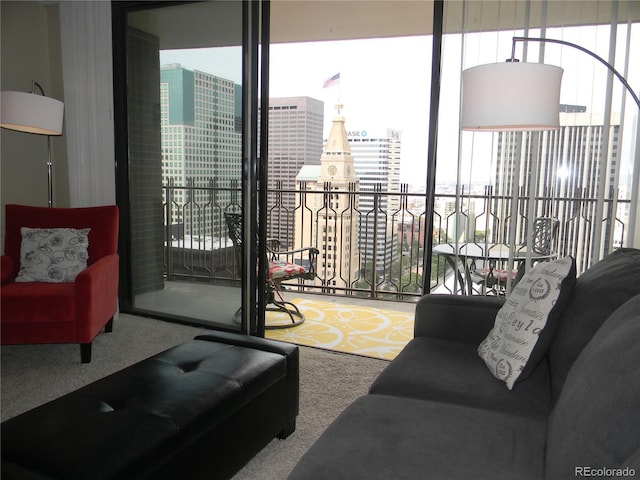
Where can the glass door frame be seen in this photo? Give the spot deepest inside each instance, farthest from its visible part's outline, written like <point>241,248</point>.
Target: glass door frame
<point>255,45</point>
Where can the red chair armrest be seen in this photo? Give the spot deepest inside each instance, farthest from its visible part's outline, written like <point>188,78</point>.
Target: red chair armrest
<point>7,269</point>
<point>96,296</point>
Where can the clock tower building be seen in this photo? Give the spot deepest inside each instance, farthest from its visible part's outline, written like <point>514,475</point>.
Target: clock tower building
<point>332,195</point>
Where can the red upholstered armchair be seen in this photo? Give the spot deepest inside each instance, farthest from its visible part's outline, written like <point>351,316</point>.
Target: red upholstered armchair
<point>70,311</point>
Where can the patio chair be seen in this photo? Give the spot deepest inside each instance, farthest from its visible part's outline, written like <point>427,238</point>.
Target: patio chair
<point>301,267</point>
<point>493,278</point>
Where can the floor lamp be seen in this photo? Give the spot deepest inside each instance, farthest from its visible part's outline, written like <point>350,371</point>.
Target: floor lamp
<point>514,96</point>
<point>33,113</point>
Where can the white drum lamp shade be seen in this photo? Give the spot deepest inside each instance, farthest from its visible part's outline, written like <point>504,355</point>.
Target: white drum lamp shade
<point>511,96</point>
<point>32,113</point>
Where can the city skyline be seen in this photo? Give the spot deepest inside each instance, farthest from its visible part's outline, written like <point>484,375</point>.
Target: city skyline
<point>358,62</point>
<point>199,112</point>
<point>381,87</point>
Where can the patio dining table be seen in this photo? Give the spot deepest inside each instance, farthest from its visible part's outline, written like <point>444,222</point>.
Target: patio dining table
<point>467,254</point>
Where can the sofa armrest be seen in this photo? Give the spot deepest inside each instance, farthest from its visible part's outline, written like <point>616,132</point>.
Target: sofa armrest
<point>7,270</point>
<point>96,296</point>
<point>461,318</point>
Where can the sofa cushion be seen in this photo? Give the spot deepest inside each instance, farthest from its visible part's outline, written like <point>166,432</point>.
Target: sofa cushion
<point>597,293</point>
<point>52,254</point>
<point>596,422</point>
<point>527,321</point>
<point>386,437</point>
<point>449,371</point>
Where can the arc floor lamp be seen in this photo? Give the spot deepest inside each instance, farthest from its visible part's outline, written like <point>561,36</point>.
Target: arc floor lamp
<point>514,96</point>
<point>33,113</point>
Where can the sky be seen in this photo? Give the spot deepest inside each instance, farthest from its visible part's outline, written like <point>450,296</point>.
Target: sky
<point>380,86</point>
<point>385,83</point>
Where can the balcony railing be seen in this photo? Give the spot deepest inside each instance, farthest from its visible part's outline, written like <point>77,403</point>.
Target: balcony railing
<point>383,257</point>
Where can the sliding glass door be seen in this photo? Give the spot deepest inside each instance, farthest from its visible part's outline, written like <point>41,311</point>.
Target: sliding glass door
<point>186,83</point>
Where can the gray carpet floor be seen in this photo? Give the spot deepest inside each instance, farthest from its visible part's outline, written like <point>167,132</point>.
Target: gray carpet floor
<point>329,381</point>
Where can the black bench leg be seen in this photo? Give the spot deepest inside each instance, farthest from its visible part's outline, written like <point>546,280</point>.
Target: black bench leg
<point>109,326</point>
<point>85,352</point>
<point>288,430</point>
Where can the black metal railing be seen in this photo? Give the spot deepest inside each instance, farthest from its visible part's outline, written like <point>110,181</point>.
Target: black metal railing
<point>371,241</point>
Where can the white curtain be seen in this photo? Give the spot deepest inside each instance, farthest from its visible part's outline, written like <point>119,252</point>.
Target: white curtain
<point>85,36</point>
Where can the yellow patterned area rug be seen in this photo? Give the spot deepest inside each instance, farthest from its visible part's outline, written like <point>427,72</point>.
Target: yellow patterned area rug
<point>366,331</point>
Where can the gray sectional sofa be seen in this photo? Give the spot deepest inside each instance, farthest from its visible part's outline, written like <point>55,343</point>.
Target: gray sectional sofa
<point>437,412</point>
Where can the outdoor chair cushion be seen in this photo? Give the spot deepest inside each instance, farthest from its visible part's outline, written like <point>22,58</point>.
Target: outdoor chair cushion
<point>500,274</point>
<point>281,270</point>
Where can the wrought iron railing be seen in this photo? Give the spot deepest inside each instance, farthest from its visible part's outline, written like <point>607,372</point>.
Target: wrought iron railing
<point>385,252</point>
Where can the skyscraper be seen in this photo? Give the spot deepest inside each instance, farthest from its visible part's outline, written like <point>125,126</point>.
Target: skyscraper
<point>295,139</point>
<point>201,144</point>
<point>376,160</point>
<point>571,164</point>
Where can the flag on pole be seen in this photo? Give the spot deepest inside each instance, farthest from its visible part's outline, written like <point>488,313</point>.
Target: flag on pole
<point>330,82</point>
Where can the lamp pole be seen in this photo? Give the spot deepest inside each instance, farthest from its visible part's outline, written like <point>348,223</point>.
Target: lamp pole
<point>49,161</point>
<point>582,49</point>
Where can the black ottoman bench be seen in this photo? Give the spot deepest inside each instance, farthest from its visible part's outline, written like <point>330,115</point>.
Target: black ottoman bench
<point>199,410</point>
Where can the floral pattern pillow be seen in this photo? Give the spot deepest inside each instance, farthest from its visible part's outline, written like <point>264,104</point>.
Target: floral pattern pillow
<point>53,255</point>
<point>281,270</point>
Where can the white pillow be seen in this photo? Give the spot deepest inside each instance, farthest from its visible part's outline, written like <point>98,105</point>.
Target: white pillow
<point>53,255</point>
<point>525,324</point>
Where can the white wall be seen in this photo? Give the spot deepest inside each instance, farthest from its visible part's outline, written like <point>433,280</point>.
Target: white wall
<point>31,51</point>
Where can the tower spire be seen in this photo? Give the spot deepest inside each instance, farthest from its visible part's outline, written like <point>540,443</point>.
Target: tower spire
<point>336,160</point>
<point>338,143</point>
